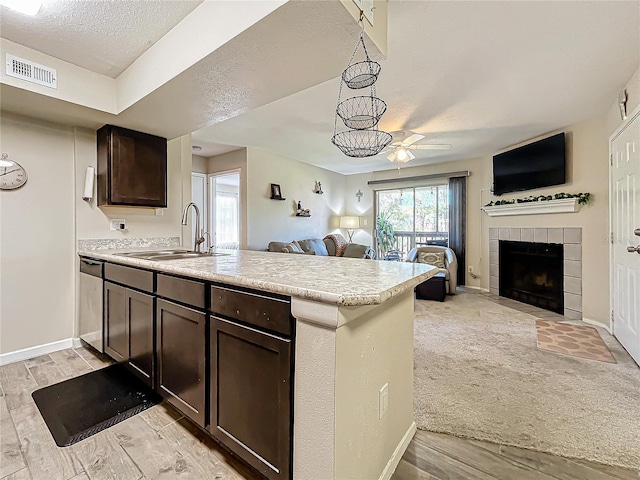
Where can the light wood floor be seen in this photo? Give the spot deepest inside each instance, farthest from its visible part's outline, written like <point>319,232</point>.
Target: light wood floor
<point>159,444</point>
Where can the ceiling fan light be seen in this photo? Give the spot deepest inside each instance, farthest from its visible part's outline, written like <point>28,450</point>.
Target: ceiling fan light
<point>402,154</point>
<point>410,155</point>
<point>392,157</point>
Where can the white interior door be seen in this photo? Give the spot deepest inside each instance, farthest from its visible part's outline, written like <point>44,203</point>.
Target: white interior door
<point>625,219</point>
<point>199,197</point>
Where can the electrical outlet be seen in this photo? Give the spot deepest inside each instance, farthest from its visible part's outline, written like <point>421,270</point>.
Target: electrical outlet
<point>117,224</point>
<point>383,400</point>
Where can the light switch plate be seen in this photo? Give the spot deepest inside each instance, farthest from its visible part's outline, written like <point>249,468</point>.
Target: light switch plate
<point>117,224</point>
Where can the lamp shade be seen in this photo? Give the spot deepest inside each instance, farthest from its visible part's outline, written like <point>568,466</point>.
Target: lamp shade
<point>349,222</point>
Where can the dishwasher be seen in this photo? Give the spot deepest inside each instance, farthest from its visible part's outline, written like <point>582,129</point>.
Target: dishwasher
<point>90,311</point>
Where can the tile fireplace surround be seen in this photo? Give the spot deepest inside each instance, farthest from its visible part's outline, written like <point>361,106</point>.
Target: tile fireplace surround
<point>571,238</point>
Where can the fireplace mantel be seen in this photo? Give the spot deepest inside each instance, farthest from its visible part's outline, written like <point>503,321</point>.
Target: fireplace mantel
<point>563,205</point>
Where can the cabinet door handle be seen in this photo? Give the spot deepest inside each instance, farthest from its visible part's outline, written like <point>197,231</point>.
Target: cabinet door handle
<point>637,232</point>
<point>89,262</point>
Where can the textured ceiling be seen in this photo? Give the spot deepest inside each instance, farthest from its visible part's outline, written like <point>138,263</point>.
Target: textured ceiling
<point>479,75</point>
<point>104,36</point>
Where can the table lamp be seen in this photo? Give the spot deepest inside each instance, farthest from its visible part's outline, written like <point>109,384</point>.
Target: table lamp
<point>350,224</point>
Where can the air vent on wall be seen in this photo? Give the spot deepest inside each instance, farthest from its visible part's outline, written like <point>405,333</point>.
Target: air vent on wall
<point>31,72</point>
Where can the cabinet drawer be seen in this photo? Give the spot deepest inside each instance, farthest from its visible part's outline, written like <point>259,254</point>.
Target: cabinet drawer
<point>259,310</point>
<point>181,290</point>
<point>131,277</point>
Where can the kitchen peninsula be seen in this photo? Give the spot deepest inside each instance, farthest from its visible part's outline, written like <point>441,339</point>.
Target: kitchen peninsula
<point>336,333</point>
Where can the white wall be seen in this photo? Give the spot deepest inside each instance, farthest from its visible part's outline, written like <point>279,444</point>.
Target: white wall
<point>37,245</point>
<point>199,164</point>
<point>274,220</point>
<point>40,223</point>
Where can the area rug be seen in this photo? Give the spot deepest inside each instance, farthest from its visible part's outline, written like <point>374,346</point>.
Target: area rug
<point>575,340</point>
<point>478,374</point>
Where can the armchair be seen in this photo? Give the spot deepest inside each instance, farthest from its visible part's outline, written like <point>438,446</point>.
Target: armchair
<point>450,263</point>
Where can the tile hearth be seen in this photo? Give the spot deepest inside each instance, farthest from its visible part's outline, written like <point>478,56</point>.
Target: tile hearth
<point>571,238</point>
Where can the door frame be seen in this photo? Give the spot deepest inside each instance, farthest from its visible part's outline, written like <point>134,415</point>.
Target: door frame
<point>623,125</point>
<point>210,208</point>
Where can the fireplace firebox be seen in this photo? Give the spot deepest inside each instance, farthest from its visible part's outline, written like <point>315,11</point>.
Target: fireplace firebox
<point>533,273</point>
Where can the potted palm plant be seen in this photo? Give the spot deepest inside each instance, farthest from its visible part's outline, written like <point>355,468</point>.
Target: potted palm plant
<point>385,236</point>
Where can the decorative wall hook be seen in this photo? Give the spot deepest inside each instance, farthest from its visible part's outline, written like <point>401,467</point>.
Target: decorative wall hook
<point>622,103</point>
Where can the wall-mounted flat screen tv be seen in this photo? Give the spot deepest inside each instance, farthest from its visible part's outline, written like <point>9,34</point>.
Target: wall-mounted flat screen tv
<point>538,164</point>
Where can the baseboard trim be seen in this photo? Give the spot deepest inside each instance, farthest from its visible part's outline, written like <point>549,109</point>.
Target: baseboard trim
<point>485,290</point>
<point>31,352</point>
<point>595,323</point>
<point>398,453</point>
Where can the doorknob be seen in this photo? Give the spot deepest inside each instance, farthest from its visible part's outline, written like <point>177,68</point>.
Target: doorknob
<point>633,249</point>
<point>637,232</point>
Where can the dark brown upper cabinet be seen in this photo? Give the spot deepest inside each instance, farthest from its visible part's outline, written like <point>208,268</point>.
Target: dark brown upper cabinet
<point>132,168</point>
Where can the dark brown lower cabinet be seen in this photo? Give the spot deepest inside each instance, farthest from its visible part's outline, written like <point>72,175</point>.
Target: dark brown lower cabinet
<point>139,313</point>
<point>180,350</point>
<point>251,395</point>
<point>116,327</point>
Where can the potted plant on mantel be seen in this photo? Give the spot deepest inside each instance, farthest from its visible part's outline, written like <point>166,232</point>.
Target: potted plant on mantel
<point>385,236</point>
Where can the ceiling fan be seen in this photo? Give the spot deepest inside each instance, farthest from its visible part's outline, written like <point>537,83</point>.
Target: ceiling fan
<point>401,149</point>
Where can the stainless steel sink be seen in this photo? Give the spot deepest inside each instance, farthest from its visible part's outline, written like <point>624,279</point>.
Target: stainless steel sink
<point>174,254</point>
<point>177,256</point>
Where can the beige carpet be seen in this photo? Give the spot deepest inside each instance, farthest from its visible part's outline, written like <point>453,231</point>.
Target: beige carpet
<point>478,374</point>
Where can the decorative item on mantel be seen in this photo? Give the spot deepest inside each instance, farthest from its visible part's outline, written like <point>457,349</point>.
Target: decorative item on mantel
<point>532,205</point>
<point>318,188</point>
<point>360,114</point>
<point>276,193</point>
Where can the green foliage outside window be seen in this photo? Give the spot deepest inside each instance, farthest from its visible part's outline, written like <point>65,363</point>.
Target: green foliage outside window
<point>385,236</point>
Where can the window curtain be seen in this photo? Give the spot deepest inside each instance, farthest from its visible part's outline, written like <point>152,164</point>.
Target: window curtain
<point>458,222</point>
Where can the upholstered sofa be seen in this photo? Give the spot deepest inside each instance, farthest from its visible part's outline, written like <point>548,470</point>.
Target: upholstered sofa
<point>449,268</point>
<point>324,247</point>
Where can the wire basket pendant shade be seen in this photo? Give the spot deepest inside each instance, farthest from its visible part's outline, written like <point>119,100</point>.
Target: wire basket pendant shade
<point>361,74</point>
<point>360,114</point>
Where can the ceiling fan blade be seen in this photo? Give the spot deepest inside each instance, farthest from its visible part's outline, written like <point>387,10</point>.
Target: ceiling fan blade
<point>432,146</point>
<point>416,137</point>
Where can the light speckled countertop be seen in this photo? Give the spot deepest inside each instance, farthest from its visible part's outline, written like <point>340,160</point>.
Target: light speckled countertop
<point>332,280</point>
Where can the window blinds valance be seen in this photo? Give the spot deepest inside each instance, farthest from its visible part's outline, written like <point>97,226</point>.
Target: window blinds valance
<point>417,181</point>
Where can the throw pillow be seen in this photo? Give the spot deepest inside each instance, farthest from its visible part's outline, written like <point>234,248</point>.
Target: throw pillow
<point>432,258</point>
<point>314,245</point>
<point>292,247</point>
<point>354,250</point>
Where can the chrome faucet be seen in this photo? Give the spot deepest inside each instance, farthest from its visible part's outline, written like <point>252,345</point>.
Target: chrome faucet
<point>197,240</point>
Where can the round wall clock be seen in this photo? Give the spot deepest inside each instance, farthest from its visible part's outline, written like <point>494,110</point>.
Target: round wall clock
<point>12,175</point>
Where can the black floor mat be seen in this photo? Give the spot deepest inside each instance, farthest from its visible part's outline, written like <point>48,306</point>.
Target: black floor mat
<point>83,406</point>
